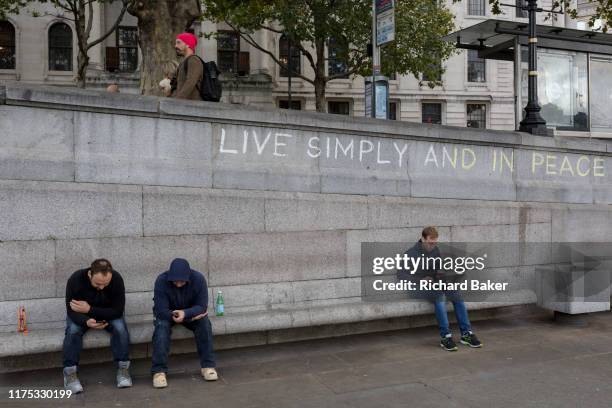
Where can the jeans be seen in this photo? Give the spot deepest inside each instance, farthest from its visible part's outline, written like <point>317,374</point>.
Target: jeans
<point>73,341</point>
<point>202,330</point>
<point>460,312</point>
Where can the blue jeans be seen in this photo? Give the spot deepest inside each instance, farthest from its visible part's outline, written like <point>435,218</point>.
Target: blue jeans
<point>460,312</point>
<point>202,330</point>
<point>73,341</point>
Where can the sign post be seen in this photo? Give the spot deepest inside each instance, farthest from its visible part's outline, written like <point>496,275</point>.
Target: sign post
<point>383,31</point>
<point>385,21</point>
<point>381,98</point>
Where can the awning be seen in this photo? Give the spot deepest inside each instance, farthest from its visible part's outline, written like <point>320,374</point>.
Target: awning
<point>494,39</point>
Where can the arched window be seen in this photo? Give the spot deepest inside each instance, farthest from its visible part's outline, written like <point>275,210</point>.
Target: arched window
<point>7,45</point>
<point>60,47</point>
<point>283,56</point>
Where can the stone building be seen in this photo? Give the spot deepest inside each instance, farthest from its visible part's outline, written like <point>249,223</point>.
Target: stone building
<point>475,92</point>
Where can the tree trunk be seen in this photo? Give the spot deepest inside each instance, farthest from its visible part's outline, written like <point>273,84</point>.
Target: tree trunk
<point>82,64</point>
<point>320,80</point>
<point>159,21</point>
<point>320,94</point>
<point>82,57</point>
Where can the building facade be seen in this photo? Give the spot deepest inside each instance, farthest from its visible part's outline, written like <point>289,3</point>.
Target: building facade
<point>475,92</point>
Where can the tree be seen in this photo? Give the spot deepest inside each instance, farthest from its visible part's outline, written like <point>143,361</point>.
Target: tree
<point>603,11</point>
<point>312,25</point>
<point>159,21</point>
<point>81,13</point>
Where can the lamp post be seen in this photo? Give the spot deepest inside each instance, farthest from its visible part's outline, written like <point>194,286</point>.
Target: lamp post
<point>533,122</point>
<point>289,73</point>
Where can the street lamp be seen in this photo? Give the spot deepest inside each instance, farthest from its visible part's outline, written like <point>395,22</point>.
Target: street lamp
<point>533,122</point>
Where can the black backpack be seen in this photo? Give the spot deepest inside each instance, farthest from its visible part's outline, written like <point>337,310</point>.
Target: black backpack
<point>210,85</point>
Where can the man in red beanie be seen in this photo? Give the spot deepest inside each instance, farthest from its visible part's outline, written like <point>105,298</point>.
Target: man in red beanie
<point>188,81</point>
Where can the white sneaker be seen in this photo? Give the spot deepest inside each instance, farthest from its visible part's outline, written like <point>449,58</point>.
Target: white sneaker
<point>71,380</point>
<point>159,380</point>
<point>210,374</point>
<point>124,380</point>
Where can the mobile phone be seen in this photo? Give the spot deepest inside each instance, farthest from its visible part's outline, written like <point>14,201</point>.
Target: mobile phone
<point>100,321</point>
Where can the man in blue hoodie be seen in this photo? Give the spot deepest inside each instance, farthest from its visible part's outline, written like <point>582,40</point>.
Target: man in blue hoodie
<point>181,297</point>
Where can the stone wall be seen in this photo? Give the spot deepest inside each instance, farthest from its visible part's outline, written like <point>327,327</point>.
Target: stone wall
<point>271,205</point>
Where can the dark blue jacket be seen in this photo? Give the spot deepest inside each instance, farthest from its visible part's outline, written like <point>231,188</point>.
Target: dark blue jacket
<point>192,297</point>
<point>415,252</point>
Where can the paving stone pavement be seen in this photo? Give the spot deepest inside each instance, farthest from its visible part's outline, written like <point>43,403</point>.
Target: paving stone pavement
<point>531,362</point>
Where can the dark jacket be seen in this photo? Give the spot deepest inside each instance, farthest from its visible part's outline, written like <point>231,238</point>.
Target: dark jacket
<point>192,297</point>
<point>188,85</point>
<point>106,304</point>
<point>415,252</point>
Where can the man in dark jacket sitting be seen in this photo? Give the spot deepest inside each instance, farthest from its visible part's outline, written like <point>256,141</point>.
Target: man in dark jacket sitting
<point>426,248</point>
<point>181,296</point>
<point>95,299</point>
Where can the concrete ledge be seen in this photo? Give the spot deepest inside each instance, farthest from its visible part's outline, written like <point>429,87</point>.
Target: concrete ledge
<point>90,100</point>
<point>183,340</point>
<point>78,99</point>
<point>141,328</point>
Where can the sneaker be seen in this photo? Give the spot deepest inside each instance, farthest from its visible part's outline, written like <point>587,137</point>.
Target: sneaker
<point>209,374</point>
<point>71,381</point>
<point>470,339</point>
<point>448,344</point>
<point>123,375</point>
<point>159,380</point>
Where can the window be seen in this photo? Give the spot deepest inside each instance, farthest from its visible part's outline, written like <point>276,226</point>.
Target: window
<point>338,107</point>
<point>283,55</point>
<point>393,110</point>
<point>7,45</point>
<point>476,115</point>
<point>127,43</point>
<point>476,7</point>
<point>228,51</point>
<point>336,62</point>
<point>563,89</point>
<point>476,67</point>
<point>431,113</point>
<point>60,47</point>
<point>601,95</point>
<point>519,11</point>
<point>295,105</point>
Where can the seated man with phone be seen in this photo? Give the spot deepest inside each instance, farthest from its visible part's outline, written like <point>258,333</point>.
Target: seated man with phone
<point>181,297</point>
<point>95,299</point>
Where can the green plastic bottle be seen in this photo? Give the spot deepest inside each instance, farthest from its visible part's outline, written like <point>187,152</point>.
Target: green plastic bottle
<point>219,304</point>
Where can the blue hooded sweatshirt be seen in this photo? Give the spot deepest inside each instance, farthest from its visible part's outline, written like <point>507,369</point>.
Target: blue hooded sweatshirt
<point>192,297</point>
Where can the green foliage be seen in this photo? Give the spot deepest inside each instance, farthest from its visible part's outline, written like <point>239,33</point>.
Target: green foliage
<point>418,47</point>
<point>12,7</point>
<point>603,10</point>
<point>16,6</point>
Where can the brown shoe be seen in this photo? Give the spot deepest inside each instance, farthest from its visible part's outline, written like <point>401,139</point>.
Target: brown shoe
<point>209,374</point>
<point>159,380</point>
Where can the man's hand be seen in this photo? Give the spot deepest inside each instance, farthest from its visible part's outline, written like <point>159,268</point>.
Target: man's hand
<point>178,316</point>
<point>200,316</point>
<point>80,306</point>
<point>91,323</point>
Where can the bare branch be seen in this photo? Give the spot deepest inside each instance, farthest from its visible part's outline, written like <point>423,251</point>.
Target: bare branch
<point>90,21</point>
<point>271,29</point>
<point>58,16</point>
<point>308,56</point>
<point>352,71</point>
<point>251,41</point>
<point>126,3</point>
